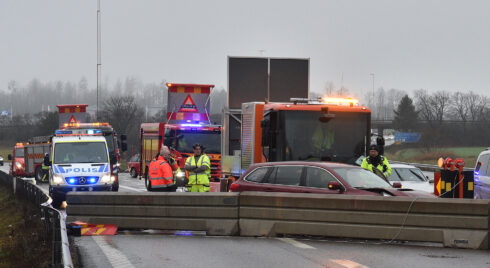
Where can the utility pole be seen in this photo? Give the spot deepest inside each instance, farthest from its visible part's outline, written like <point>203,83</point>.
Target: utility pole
<point>372,74</point>
<point>99,63</point>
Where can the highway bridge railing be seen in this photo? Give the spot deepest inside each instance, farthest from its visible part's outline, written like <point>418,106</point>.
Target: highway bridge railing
<point>54,222</point>
<point>461,223</point>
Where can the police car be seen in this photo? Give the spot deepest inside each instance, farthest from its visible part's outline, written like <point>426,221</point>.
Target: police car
<point>78,163</point>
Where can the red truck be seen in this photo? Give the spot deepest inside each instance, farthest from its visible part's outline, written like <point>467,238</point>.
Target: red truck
<point>28,157</point>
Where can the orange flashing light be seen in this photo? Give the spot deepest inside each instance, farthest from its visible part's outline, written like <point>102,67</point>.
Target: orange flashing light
<point>169,84</point>
<point>350,101</point>
<point>19,144</point>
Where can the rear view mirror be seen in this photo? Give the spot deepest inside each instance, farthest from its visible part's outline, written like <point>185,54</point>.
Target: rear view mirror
<point>333,185</point>
<point>9,157</point>
<point>123,137</point>
<point>397,185</point>
<point>430,181</point>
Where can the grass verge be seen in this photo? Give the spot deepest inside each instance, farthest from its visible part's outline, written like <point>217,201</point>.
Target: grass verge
<point>425,156</point>
<point>22,241</point>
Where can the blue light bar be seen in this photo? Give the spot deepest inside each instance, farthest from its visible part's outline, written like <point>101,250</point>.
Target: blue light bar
<point>90,131</point>
<point>72,181</point>
<point>191,125</point>
<point>61,132</point>
<point>92,180</point>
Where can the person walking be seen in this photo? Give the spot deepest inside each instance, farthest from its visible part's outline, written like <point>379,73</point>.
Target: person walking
<point>160,173</point>
<point>199,168</point>
<point>376,163</point>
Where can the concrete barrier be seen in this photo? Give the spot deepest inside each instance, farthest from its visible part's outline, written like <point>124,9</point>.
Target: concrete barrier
<point>452,222</point>
<point>214,213</point>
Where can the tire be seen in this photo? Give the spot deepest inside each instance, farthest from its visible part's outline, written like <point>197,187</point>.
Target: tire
<point>115,186</point>
<point>38,175</point>
<point>148,184</point>
<point>56,203</point>
<point>133,173</point>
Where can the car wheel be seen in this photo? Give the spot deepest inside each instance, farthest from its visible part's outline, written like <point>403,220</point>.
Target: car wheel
<point>39,174</point>
<point>56,203</point>
<point>148,184</point>
<point>115,186</point>
<point>133,173</point>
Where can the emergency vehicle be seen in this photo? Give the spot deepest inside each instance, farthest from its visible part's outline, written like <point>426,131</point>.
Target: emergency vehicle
<point>187,123</point>
<point>327,129</point>
<point>108,132</point>
<point>78,162</point>
<point>17,158</point>
<point>180,138</point>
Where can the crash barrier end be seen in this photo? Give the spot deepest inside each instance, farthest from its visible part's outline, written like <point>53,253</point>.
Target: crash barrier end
<point>54,222</point>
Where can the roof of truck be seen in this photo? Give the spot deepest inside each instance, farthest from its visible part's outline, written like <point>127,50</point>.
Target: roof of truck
<point>78,138</point>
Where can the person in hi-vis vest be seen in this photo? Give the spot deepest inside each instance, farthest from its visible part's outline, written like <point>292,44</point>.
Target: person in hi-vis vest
<point>199,168</point>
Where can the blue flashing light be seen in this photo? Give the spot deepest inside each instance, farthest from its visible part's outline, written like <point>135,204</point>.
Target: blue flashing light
<point>90,131</point>
<point>184,233</point>
<point>190,125</point>
<point>72,181</point>
<point>61,132</point>
<point>92,180</point>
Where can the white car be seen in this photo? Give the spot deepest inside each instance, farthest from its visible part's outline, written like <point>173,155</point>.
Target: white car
<point>482,175</point>
<point>411,177</point>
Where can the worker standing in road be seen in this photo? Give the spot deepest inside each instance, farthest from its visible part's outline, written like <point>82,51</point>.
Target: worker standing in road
<point>376,163</point>
<point>160,173</point>
<point>45,168</point>
<point>199,168</point>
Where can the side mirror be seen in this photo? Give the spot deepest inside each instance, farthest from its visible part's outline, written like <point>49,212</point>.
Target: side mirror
<point>123,137</point>
<point>9,157</point>
<point>430,181</point>
<point>113,159</point>
<point>397,185</point>
<point>333,185</point>
<point>124,147</point>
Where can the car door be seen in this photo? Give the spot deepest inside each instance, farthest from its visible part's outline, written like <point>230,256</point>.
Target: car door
<point>285,179</point>
<point>316,180</point>
<point>482,177</point>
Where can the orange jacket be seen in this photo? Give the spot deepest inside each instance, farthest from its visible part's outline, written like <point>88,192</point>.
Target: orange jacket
<point>160,173</point>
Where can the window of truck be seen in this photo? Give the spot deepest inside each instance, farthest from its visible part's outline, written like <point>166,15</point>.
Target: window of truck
<point>19,152</point>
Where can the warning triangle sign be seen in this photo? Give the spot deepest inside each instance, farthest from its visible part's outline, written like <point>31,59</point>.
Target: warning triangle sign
<point>188,106</point>
<point>72,120</point>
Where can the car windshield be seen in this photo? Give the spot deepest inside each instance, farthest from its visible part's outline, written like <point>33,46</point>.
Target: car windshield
<point>407,174</point>
<point>361,178</point>
<point>80,152</point>
<point>19,152</point>
<point>110,142</point>
<point>326,139</point>
<point>211,140</point>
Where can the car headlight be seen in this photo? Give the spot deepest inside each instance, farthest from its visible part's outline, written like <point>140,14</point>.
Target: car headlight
<point>18,165</point>
<point>105,178</point>
<point>118,164</point>
<point>180,174</point>
<point>58,179</point>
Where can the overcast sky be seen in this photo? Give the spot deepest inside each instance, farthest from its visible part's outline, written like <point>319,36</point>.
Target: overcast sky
<point>407,44</point>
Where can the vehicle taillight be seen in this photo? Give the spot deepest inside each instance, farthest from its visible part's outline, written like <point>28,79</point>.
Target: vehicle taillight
<point>235,187</point>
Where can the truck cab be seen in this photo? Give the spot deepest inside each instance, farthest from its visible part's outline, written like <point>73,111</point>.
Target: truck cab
<point>78,163</point>
<point>17,166</point>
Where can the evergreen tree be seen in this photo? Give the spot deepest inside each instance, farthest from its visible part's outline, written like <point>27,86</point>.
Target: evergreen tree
<point>406,117</point>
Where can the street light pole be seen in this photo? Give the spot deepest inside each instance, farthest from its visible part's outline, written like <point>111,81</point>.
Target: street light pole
<point>99,64</point>
<point>372,74</point>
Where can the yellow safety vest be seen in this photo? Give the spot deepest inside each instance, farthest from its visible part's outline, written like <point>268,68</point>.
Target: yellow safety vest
<point>199,178</point>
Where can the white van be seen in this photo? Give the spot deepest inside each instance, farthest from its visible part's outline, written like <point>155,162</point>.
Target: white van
<point>78,163</point>
<point>482,175</point>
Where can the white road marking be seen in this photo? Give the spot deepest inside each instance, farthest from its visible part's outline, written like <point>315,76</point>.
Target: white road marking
<point>295,243</point>
<point>348,264</point>
<point>132,189</point>
<point>115,257</point>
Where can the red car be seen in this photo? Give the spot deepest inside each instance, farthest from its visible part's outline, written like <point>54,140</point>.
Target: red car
<point>134,165</point>
<point>318,177</point>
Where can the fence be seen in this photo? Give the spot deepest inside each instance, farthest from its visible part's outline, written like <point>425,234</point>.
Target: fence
<point>54,223</point>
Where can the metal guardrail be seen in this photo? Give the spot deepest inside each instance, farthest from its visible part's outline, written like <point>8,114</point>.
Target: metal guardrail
<point>54,222</point>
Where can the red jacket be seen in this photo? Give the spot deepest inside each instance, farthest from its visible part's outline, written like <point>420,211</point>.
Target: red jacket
<point>160,173</point>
